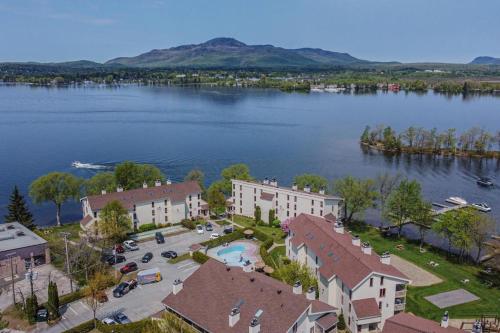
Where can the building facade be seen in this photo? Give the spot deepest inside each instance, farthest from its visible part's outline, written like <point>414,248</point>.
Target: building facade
<point>364,286</point>
<point>287,202</point>
<point>246,302</point>
<point>161,204</point>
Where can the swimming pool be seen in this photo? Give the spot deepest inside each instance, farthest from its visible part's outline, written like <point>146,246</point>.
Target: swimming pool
<point>236,253</point>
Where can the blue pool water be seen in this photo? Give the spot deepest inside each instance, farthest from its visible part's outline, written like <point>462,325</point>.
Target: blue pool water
<point>232,254</point>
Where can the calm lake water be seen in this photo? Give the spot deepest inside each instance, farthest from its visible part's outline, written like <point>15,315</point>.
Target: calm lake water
<point>277,134</point>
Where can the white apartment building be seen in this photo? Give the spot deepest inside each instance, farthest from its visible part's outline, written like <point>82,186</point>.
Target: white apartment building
<point>351,276</point>
<point>161,204</point>
<point>287,202</point>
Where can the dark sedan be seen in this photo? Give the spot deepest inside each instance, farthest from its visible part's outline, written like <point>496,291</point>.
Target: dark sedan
<point>147,257</point>
<point>169,254</point>
<point>113,260</point>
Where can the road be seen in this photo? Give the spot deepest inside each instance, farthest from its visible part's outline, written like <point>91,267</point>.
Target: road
<point>145,300</point>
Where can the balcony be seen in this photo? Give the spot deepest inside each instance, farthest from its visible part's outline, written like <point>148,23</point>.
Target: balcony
<point>399,306</point>
<point>400,293</point>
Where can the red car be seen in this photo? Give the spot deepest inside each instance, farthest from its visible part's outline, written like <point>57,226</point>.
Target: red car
<point>119,248</point>
<point>130,267</point>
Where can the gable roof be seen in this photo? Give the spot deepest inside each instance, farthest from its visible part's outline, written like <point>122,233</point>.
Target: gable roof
<point>338,255</point>
<point>366,308</point>
<point>86,220</point>
<point>408,323</point>
<point>210,293</point>
<point>175,192</point>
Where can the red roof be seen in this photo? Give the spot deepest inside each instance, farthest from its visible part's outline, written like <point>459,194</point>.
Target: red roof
<point>209,294</point>
<point>267,196</point>
<point>330,218</point>
<point>175,192</point>
<point>366,308</point>
<point>86,220</point>
<point>408,323</point>
<point>318,306</point>
<point>327,321</point>
<point>338,255</point>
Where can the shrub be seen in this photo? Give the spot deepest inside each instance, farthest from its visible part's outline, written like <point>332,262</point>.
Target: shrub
<point>266,256</point>
<point>147,227</point>
<point>200,258</point>
<point>341,322</point>
<point>135,327</point>
<point>260,235</point>
<point>71,297</point>
<point>276,223</point>
<point>236,234</point>
<point>271,216</point>
<point>188,224</point>
<point>82,328</point>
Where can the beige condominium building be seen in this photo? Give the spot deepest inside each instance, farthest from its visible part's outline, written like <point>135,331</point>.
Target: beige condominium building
<point>287,202</point>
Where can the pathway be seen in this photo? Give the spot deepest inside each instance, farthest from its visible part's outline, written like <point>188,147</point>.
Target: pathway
<point>419,277</point>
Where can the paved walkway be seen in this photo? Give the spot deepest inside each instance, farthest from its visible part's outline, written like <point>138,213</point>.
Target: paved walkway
<point>419,277</point>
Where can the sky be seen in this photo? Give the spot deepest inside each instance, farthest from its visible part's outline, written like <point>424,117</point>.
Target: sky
<point>381,30</point>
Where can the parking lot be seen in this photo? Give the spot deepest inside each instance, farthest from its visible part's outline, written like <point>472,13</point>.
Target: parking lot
<point>145,300</point>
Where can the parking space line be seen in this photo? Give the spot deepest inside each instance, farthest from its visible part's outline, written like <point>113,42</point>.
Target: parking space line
<point>188,264</point>
<point>84,306</point>
<point>76,313</point>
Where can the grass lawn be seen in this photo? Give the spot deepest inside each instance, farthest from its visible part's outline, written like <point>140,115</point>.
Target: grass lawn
<point>277,253</point>
<point>222,222</point>
<point>276,233</point>
<point>450,271</point>
<point>52,234</point>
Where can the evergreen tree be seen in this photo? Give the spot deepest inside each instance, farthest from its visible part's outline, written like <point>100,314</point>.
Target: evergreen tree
<point>53,301</point>
<point>257,214</point>
<point>30,308</point>
<point>18,210</point>
<point>341,322</point>
<point>272,216</point>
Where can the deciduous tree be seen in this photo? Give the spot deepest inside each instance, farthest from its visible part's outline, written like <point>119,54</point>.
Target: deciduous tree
<point>216,198</point>
<point>423,217</point>
<point>316,182</point>
<point>358,194</point>
<point>481,228</point>
<point>236,171</point>
<point>403,203</point>
<point>100,181</point>
<point>95,286</point>
<point>114,221</point>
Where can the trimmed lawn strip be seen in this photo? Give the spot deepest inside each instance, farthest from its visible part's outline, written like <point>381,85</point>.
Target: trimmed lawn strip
<point>275,233</point>
<point>180,258</point>
<point>451,272</point>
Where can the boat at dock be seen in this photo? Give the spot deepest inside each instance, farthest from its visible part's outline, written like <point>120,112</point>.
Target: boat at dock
<point>482,206</point>
<point>484,181</point>
<point>457,201</point>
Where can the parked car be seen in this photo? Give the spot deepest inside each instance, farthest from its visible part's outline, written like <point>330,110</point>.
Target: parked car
<point>109,321</point>
<point>228,230</point>
<point>130,267</point>
<point>121,318</point>
<point>199,229</point>
<point>209,227</point>
<point>169,254</point>
<point>147,257</point>
<point>159,238</point>
<point>131,245</point>
<point>113,260</point>
<point>42,315</point>
<point>214,235</point>
<point>119,248</point>
<point>124,287</point>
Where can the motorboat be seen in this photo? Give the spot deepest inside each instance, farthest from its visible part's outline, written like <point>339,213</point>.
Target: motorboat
<point>482,206</point>
<point>80,165</point>
<point>456,200</point>
<point>484,181</point>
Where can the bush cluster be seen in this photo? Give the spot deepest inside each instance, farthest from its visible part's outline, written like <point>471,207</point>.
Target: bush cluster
<point>191,225</point>
<point>147,227</point>
<point>200,258</point>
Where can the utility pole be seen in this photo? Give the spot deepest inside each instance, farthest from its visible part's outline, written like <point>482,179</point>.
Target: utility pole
<point>65,235</point>
<point>11,256</point>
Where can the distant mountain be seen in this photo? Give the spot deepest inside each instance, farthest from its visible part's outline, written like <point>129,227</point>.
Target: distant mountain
<point>485,61</point>
<point>231,53</point>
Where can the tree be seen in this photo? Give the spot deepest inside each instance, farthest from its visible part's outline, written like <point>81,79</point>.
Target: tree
<point>3,323</point>
<point>30,308</point>
<point>100,181</point>
<point>236,171</point>
<point>96,285</point>
<point>198,176</point>
<point>423,217</point>
<point>272,216</point>
<point>316,182</point>
<point>341,322</point>
<point>295,271</point>
<point>403,203</point>
<point>53,301</point>
<point>481,228</point>
<point>461,231</point>
<point>131,175</point>
<point>56,187</point>
<point>409,135</point>
<point>358,195</point>
<point>18,210</point>
<point>385,184</point>
<point>114,221</point>
<point>215,197</point>
<point>365,136</point>
<point>444,227</point>
<point>257,214</point>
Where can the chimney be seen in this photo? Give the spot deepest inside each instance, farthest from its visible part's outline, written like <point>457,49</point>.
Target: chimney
<point>157,182</point>
<point>356,241</point>
<point>385,258</point>
<point>144,185</point>
<point>307,188</point>
<point>169,182</point>
<point>265,181</point>
<point>177,286</point>
<point>338,227</point>
<point>445,320</point>
<point>477,327</point>
<point>294,187</point>
<point>297,288</point>
<point>103,192</point>
<point>322,190</point>
<point>366,248</point>
<point>274,182</point>
<point>311,293</point>
<point>119,188</point>
<point>247,268</point>
<point>254,326</point>
<point>234,316</point>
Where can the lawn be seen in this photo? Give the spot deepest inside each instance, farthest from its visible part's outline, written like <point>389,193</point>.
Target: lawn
<point>52,234</point>
<point>277,253</point>
<point>276,233</point>
<point>450,271</point>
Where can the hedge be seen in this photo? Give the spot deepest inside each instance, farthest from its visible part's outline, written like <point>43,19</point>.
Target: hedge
<point>236,234</point>
<point>82,328</point>
<point>188,224</point>
<point>135,327</point>
<point>147,227</point>
<point>200,258</point>
<point>71,297</point>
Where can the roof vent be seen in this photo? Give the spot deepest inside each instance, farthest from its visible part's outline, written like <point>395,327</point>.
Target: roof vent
<point>228,268</point>
<point>307,188</point>
<point>278,291</point>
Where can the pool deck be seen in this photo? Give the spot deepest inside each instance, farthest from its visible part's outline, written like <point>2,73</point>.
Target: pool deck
<point>251,251</point>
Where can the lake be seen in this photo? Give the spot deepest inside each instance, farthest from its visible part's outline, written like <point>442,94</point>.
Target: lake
<point>277,134</point>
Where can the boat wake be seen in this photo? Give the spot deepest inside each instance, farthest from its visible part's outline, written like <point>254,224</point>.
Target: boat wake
<point>80,165</point>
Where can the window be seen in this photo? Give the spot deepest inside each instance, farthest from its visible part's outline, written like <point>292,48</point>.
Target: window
<point>234,193</point>
<point>234,186</point>
<point>276,195</point>
<point>254,190</point>
<point>241,195</point>
<point>321,204</point>
<point>199,204</point>
<point>295,198</point>
<point>95,214</point>
<point>320,213</point>
<point>350,307</point>
<point>190,197</point>
<point>380,305</point>
<point>153,220</point>
<point>152,204</point>
<point>199,196</point>
<point>241,187</point>
<point>381,280</point>
<point>359,328</point>
<point>166,202</point>
<point>190,205</point>
<point>241,211</point>
<point>166,210</point>
<point>294,207</point>
<point>382,292</point>
<point>254,198</point>
<point>349,321</point>
<point>287,213</point>
<point>276,203</point>
<point>316,260</point>
<point>166,218</point>
<point>294,214</point>
<point>153,212</point>
<point>312,210</point>
<point>241,203</point>
<point>287,205</point>
<point>135,216</point>
<point>350,294</point>
<point>134,208</point>
<point>288,197</point>
<point>190,214</point>
<point>312,202</point>
<point>294,328</point>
